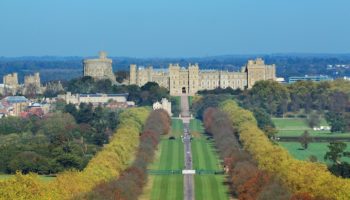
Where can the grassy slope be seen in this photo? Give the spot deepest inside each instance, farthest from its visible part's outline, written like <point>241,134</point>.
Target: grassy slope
<point>170,156</point>
<point>317,149</point>
<point>296,126</point>
<point>205,158</point>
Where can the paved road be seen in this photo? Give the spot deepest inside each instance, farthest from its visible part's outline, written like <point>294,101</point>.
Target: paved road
<point>188,179</point>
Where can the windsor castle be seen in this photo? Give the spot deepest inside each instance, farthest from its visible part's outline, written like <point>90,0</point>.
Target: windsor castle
<point>180,80</point>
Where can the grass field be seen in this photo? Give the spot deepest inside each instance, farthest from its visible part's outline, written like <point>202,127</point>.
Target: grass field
<point>296,126</point>
<point>190,100</point>
<point>176,106</point>
<point>169,156</point>
<point>41,177</point>
<point>205,158</point>
<point>317,149</point>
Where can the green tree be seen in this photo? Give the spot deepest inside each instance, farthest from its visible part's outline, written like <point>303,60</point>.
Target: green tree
<point>305,139</point>
<point>336,152</point>
<point>337,121</point>
<point>313,120</point>
<point>270,96</point>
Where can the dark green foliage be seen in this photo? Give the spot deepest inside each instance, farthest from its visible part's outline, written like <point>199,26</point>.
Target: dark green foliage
<point>228,91</point>
<point>337,121</point>
<point>268,95</point>
<point>122,75</point>
<point>305,139</point>
<point>264,122</point>
<point>314,120</point>
<point>146,95</point>
<point>56,142</point>
<point>336,152</point>
<point>175,106</point>
<point>207,101</point>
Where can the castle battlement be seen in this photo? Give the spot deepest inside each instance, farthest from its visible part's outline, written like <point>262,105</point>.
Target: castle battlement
<point>181,80</point>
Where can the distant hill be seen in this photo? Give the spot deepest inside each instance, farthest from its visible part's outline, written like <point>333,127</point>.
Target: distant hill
<point>294,64</point>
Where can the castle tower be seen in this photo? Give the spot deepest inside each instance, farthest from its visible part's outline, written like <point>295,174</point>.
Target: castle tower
<point>99,68</point>
<point>133,74</point>
<point>257,70</point>
<point>193,79</point>
<point>174,76</point>
<point>10,83</point>
<point>11,80</point>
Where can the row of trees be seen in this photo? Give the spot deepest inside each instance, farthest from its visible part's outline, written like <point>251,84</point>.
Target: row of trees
<point>248,181</point>
<point>105,166</point>
<point>130,183</point>
<point>307,96</point>
<point>299,176</point>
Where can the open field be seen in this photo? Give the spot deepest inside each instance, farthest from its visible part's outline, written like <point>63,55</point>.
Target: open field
<point>297,126</point>
<point>208,186</point>
<point>41,177</point>
<point>170,156</point>
<point>318,149</point>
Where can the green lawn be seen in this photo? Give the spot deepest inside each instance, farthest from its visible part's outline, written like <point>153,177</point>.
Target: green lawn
<point>41,177</point>
<point>176,105</point>
<point>205,158</point>
<point>190,100</point>
<point>169,157</point>
<point>296,126</point>
<point>316,149</point>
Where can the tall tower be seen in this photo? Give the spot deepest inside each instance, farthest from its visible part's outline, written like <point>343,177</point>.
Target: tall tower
<point>193,79</point>
<point>257,70</point>
<point>99,68</point>
<point>133,74</point>
<point>174,82</point>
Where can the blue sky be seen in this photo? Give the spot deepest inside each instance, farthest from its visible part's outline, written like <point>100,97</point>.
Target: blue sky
<point>164,28</point>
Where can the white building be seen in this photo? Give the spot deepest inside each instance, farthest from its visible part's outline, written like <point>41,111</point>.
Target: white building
<point>164,104</point>
<point>93,98</point>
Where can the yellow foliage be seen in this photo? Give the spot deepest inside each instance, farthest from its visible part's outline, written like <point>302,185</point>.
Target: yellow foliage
<point>107,164</point>
<point>299,176</point>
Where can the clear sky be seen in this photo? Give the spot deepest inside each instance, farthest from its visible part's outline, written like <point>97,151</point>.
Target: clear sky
<point>173,28</point>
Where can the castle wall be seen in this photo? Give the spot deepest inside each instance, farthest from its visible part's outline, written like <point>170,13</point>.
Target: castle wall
<point>180,80</point>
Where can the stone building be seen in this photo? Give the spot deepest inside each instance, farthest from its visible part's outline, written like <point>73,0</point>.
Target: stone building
<point>99,68</point>
<point>32,84</point>
<point>95,99</point>
<point>164,104</point>
<point>10,84</point>
<point>180,80</point>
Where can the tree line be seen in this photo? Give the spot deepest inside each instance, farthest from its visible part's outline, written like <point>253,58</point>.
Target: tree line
<point>300,177</point>
<point>130,183</point>
<point>106,165</point>
<point>247,180</point>
<point>56,142</point>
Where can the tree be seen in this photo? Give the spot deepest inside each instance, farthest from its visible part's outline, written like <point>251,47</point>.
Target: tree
<point>337,121</point>
<point>264,122</point>
<point>336,152</point>
<point>28,161</point>
<point>314,120</point>
<point>270,96</point>
<point>305,139</point>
